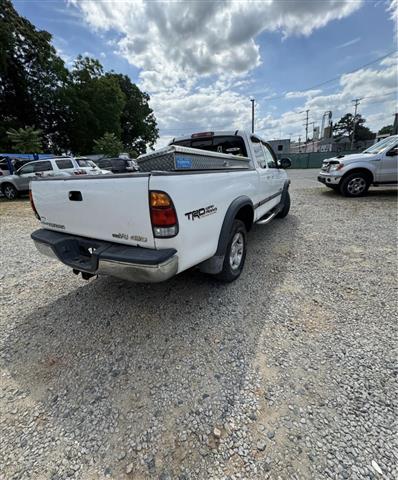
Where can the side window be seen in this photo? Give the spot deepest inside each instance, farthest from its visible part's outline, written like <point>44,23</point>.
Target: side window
<point>62,164</point>
<point>269,157</point>
<point>259,154</point>
<point>105,164</point>
<point>393,152</point>
<point>120,164</point>
<point>27,169</point>
<point>43,167</point>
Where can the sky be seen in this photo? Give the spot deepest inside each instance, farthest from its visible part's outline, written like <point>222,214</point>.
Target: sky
<point>202,61</point>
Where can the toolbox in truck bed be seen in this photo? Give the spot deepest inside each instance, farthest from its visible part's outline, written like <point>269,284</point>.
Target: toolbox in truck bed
<point>176,158</point>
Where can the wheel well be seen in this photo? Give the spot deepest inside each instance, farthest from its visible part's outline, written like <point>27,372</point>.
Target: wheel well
<point>367,172</point>
<point>5,184</point>
<point>246,214</point>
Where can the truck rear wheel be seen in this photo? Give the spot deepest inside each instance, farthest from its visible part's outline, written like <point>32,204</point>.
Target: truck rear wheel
<point>235,254</point>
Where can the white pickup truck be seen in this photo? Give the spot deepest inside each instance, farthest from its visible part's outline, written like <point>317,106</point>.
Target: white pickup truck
<point>352,175</point>
<point>191,204</point>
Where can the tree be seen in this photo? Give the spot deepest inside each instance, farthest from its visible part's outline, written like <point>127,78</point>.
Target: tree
<point>31,74</point>
<point>72,108</point>
<point>138,122</point>
<point>25,140</point>
<point>345,126</point>
<point>109,145</point>
<point>94,103</point>
<point>387,130</point>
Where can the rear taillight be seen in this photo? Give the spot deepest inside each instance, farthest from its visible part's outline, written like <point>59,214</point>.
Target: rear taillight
<point>163,215</point>
<point>32,204</point>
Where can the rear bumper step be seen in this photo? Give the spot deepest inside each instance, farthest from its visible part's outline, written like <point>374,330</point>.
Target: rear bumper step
<point>98,257</point>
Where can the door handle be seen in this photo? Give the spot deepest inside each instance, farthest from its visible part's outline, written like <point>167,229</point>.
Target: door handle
<point>375,160</point>
<point>75,196</point>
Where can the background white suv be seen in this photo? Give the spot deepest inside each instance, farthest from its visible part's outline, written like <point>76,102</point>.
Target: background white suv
<point>14,185</point>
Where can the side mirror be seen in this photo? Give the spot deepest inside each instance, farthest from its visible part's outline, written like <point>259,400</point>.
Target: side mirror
<point>393,152</point>
<point>285,163</point>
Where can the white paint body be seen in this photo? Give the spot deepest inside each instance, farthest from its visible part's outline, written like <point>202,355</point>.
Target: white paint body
<point>380,160</point>
<point>119,204</point>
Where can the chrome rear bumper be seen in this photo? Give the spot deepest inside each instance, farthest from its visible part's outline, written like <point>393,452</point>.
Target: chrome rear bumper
<point>134,264</point>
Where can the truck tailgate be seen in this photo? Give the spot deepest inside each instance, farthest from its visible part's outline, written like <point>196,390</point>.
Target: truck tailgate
<point>109,207</point>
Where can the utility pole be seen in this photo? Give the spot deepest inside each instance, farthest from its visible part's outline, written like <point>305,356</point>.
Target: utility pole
<point>306,126</point>
<point>252,100</point>
<point>356,103</point>
<point>312,123</point>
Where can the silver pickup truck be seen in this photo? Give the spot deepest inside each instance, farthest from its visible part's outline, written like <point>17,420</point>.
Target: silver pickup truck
<point>352,175</point>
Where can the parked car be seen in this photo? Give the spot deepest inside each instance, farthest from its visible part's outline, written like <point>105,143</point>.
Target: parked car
<point>352,175</point>
<point>118,165</point>
<point>90,167</point>
<point>15,162</point>
<point>14,185</point>
<point>196,211</point>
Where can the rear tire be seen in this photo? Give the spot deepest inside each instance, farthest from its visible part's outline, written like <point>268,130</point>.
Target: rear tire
<point>235,253</point>
<point>286,207</point>
<point>355,185</point>
<point>9,191</point>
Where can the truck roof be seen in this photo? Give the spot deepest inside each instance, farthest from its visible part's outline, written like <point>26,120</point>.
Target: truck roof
<point>218,133</point>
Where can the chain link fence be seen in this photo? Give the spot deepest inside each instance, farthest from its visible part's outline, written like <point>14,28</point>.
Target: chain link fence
<point>310,159</point>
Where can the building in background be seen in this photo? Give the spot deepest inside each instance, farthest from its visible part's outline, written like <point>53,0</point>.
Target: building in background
<point>280,146</point>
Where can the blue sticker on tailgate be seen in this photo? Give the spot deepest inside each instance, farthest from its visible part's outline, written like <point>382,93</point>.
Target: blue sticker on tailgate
<point>182,162</point>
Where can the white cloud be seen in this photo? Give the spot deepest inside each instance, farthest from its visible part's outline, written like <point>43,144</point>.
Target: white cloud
<point>65,57</point>
<point>307,93</point>
<point>377,88</point>
<point>179,41</point>
<point>393,9</point>
<point>194,57</point>
<point>349,43</point>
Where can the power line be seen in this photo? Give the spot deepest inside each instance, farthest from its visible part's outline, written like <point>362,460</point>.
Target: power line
<point>252,100</point>
<point>275,97</point>
<point>382,95</point>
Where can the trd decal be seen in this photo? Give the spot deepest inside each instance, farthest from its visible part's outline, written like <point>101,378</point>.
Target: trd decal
<point>201,212</point>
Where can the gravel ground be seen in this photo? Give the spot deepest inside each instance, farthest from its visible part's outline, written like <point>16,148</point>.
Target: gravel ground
<point>288,373</point>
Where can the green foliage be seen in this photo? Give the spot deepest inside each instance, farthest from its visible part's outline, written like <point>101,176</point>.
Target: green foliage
<point>31,75</point>
<point>109,145</point>
<point>387,130</point>
<point>132,153</point>
<point>95,104</point>
<point>138,121</point>
<point>25,140</point>
<point>72,108</point>
<point>345,126</point>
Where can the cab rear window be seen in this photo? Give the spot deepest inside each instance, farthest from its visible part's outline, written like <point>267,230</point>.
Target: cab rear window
<point>232,145</point>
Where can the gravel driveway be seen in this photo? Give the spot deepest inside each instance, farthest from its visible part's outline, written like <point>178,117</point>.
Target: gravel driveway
<point>288,373</point>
